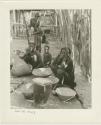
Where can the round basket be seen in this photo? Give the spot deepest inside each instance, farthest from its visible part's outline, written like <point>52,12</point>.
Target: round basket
<point>42,72</point>
<point>42,81</point>
<point>65,93</point>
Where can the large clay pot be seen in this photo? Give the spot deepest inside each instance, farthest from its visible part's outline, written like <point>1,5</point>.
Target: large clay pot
<point>20,67</point>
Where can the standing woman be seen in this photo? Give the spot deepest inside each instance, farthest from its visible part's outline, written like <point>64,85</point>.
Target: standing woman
<point>35,23</point>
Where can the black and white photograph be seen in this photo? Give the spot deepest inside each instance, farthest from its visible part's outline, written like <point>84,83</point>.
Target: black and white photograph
<point>50,62</point>
<point>50,58</point>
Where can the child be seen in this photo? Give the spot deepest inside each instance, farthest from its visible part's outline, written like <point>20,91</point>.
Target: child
<point>47,57</point>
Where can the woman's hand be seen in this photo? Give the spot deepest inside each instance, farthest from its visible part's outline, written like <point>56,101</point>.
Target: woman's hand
<point>59,66</point>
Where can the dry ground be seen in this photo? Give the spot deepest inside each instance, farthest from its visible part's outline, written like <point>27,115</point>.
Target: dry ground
<point>83,86</point>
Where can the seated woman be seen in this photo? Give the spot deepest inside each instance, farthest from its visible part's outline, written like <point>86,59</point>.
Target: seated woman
<point>57,62</point>
<point>32,56</point>
<point>47,57</point>
<point>63,69</point>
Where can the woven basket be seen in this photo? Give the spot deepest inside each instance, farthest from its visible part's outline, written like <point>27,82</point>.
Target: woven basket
<point>65,93</point>
<point>42,72</point>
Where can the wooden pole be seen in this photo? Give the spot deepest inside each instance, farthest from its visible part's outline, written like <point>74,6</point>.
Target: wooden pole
<point>27,33</point>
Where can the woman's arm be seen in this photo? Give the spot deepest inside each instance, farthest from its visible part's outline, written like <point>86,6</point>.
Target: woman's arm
<point>55,62</point>
<point>70,67</point>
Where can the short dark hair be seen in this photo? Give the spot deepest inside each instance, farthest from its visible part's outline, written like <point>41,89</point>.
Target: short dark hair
<point>62,49</point>
<point>37,15</point>
<point>46,46</point>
